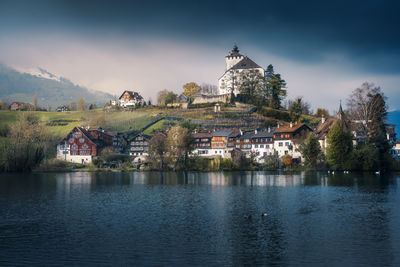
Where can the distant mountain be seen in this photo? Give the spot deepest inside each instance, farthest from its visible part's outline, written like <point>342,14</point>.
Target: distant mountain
<point>394,118</point>
<point>52,90</point>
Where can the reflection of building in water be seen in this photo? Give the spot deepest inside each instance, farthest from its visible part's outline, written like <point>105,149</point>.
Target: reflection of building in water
<point>72,182</point>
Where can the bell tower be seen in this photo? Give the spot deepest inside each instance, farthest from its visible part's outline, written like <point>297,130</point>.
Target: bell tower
<point>233,57</point>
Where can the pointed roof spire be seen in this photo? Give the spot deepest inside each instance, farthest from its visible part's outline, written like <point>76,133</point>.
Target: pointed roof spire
<point>340,112</point>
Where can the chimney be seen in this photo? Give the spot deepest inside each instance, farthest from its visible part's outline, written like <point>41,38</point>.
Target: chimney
<point>241,132</point>
<point>255,131</point>
<point>323,119</point>
<point>277,126</point>
<point>269,129</point>
<point>291,125</point>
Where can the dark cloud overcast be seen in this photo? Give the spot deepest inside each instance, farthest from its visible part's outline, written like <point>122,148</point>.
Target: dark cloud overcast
<point>327,39</point>
<point>365,31</point>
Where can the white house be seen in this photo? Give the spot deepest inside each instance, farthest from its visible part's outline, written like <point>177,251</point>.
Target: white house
<point>262,144</point>
<point>129,99</point>
<point>287,139</point>
<point>235,65</point>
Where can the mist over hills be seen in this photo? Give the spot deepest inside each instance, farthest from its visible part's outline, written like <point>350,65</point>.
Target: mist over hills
<point>52,90</point>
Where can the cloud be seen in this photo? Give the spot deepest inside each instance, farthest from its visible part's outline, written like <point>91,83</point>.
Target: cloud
<point>323,49</point>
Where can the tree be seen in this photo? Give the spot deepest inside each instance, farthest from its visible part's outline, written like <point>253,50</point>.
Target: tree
<point>180,143</point>
<point>311,151</point>
<point>27,144</point>
<point>377,131</point>
<point>274,88</point>
<point>321,112</point>
<point>367,108</point>
<point>209,88</point>
<point>252,87</point>
<point>166,97</point>
<point>157,151</point>
<point>35,100</point>
<point>92,106</point>
<point>339,147</point>
<point>298,107</point>
<point>82,105</point>
<point>189,89</point>
<point>4,105</point>
<point>72,106</point>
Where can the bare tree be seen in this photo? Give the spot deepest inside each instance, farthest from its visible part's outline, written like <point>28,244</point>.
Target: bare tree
<point>362,106</point>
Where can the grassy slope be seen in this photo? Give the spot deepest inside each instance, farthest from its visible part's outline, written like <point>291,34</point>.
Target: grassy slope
<point>115,121</point>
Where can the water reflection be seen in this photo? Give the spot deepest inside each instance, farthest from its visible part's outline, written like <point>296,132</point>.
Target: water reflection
<point>197,219</point>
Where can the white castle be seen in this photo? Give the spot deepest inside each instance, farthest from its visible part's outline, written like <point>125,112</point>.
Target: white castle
<point>236,64</point>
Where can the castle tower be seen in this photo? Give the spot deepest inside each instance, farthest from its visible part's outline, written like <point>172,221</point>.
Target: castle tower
<point>233,57</point>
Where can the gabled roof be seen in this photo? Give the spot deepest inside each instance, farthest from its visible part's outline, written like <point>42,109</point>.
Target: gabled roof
<point>245,63</point>
<point>235,133</point>
<point>263,134</point>
<point>202,135</point>
<point>221,133</point>
<point>132,94</point>
<point>293,129</point>
<point>323,128</point>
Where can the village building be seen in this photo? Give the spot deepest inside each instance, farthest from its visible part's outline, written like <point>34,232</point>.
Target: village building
<point>395,151</point>
<point>139,147</point>
<point>262,144</point>
<point>236,65</point>
<point>202,144</point>
<point>78,147</point>
<point>219,143</point>
<point>391,134</point>
<point>62,109</point>
<point>129,99</point>
<point>17,106</point>
<point>326,124</point>
<point>287,139</point>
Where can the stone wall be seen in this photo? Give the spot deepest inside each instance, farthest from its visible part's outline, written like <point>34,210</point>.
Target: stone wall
<point>201,99</point>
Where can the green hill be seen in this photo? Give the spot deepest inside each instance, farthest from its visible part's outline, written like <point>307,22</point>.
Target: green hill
<point>17,86</point>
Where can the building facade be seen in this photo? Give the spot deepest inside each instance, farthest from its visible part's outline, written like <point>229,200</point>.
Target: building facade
<point>236,65</point>
<point>287,139</point>
<point>130,99</point>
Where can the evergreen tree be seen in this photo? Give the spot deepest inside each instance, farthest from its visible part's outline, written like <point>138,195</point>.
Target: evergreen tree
<point>377,131</point>
<point>311,151</point>
<point>339,147</point>
<point>275,86</point>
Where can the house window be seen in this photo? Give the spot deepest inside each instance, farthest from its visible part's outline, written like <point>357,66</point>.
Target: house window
<point>266,146</point>
<point>261,146</point>
<point>81,140</point>
<point>286,143</point>
<point>85,146</point>
<point>280,144</point>
<point>71,140</point>
<point>256,146</point>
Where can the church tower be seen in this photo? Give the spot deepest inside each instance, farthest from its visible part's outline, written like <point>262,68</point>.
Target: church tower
<point>233,57</point>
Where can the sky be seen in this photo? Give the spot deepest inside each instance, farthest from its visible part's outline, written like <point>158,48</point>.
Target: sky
<point>323,49</point>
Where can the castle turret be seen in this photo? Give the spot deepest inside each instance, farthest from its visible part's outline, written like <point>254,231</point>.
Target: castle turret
<point>233,57</point>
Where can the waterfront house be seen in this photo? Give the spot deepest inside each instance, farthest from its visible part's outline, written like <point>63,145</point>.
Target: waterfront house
<point>287,139</point>
<point>202,144</point>
<point>139,147</point>
<point>219,142</point>
<point>262,144</point>
<point>78,146</point>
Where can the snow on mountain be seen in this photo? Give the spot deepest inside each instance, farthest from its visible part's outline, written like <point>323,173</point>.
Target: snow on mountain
<point>41,73</point>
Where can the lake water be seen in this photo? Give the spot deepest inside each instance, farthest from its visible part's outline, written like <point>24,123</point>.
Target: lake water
<point>197,219</point>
